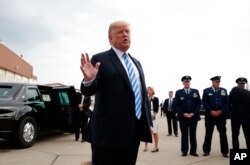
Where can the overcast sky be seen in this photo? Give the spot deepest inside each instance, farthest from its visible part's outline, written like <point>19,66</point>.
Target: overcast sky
<point>171,38</point>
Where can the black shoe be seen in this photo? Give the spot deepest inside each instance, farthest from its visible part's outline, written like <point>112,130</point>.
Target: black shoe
<point>206,154</point>
<point>82,140</point>
<point>184,154</point>
<point>194,154</point>
<point>169,134</point>
<point>176,135</point>
<point>225,155</point>
<point>155,150</point>
<point>76,139</point>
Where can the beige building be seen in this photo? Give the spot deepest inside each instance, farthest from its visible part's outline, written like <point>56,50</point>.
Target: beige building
<point>13,68</point>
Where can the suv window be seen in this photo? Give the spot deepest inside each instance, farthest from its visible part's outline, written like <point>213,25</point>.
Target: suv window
<point>4,91</point>
<point>64,98</point>
<point>46,97</point>
<point>32,95</point>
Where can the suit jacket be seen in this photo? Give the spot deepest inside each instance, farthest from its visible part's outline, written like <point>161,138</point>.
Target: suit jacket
<point>86,104</point>
<point>166,105</point>
<point>239,100</point>
<point>190,103</point>
<point>113,122</point>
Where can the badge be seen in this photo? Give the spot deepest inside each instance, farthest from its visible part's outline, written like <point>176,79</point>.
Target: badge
<point>210,94</point>
<point>223,92</point>
<point>195,95</point>
<point>182,98</point>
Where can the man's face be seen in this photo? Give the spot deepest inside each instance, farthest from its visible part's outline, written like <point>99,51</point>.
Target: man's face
<point>120,37</point>
<point>186,83</point>
<point>241,85</point>
<point>170,93</point>
<point>216,84</point>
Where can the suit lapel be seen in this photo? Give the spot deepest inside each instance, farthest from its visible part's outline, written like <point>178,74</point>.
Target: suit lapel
<point>117,63</point>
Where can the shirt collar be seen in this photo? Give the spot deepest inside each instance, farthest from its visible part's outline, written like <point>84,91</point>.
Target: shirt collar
<point>118,52</point>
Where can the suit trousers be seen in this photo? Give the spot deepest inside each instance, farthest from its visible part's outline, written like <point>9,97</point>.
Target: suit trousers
<point>116,155</point>
<point>238,119</point>
<point>220,123</point>
<point>188,131</point>
<point>172,122</point>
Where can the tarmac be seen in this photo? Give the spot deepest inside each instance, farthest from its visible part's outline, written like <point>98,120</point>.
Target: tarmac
<point>61,149</point>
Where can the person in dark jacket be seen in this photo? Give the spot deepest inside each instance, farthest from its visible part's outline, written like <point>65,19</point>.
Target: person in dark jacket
<point>188,103</point>
<point>215,101</point>
<point>82,117</point>
<point>239,117</point>
<point>154,106</point>
<point>121,115</point>
<point>170,111</point>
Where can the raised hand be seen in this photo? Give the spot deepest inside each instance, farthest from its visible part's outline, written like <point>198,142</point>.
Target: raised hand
<point>89,71</point>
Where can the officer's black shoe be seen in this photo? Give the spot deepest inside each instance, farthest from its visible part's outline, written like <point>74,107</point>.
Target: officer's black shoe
<point>184,154</point>
<point>206,154</point>
<point>225,155</point>
<point>194,154</point>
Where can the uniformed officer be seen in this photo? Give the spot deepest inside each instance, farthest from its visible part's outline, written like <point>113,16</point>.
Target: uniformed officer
<point>215,101</point>
<point>239,116</point>
<point>188,105</point>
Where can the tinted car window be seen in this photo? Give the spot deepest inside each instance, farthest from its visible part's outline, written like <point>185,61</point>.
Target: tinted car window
<point>32,95</point>
<point>4,91</point>
<point>64,98</point>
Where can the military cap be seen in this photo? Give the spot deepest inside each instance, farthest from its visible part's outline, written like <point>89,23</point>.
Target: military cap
<point>241,80</point>
<point>186,78</point>
<point>215,78</point>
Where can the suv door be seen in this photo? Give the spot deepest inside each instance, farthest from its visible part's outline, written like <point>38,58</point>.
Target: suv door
<point>66,107</point>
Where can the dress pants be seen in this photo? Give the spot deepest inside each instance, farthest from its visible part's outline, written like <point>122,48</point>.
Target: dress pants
<point>172,122</point>
<point>188,129</point>
<point>238,119</point>
<point>220,123</point>
<point>115,155</point>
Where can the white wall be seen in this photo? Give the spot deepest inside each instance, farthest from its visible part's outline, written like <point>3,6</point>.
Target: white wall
<point>6,76</point>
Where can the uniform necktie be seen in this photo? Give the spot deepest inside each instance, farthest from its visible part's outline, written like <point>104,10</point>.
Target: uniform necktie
<point>134,84</point>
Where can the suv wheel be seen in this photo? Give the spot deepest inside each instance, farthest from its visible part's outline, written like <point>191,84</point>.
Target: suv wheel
<point>26,132</point>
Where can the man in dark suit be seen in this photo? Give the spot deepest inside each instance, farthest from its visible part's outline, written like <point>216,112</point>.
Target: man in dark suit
<point>121,116</point>
<point>188,103</point>
<point>239,116</point>
<point>215,101</point>
<point>170,111</point>
<point>82,117</point>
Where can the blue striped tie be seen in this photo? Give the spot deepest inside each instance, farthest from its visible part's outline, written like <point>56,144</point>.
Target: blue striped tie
<point>134,84</point>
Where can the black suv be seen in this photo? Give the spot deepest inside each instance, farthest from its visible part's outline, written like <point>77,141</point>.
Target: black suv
<point>28,109</point>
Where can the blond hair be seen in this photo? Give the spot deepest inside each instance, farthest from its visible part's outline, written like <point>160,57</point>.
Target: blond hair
<point>151,88</point>
<point>115,24</point>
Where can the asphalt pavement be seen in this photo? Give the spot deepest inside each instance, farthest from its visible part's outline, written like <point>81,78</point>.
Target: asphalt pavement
<point>61,149</point>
